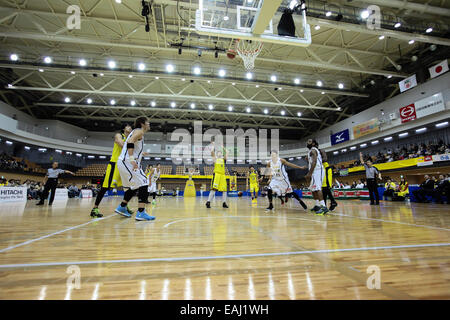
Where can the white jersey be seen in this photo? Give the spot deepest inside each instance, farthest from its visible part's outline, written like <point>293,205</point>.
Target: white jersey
<point>138,149</point>
<point>319,165</point>
<point>154,177</point>
<point>280,181</point>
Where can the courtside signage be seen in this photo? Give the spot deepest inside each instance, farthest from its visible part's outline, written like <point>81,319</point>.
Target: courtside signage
<point>10,194</point>
<point>340,137</point>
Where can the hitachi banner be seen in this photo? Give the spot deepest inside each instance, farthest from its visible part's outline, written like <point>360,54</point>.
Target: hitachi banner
<point>8,194</point>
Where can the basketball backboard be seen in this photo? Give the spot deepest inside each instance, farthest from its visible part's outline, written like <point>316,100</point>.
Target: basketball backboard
<point>250,20</point>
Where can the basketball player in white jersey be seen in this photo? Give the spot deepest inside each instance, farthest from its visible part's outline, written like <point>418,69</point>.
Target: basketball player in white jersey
<point>316,173</point>
<point>153,176</point>
<point>131,173</point>
<point>279,180</point>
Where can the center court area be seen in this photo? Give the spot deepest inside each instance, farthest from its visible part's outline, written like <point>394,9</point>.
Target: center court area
<point>190,252</point>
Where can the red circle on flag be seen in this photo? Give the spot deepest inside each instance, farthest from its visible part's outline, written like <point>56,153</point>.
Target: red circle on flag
<point>438,69</point>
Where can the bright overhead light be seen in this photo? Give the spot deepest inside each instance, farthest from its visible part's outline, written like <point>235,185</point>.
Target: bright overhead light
<point>336,152</point>
<point>112,64</point>
<point>248,109</point>
<point>421,130</point>
<point>283,112</point>
<point>365,14</point>
<point>192,105</point>
<point>301,90</point>
<point>411,41</point>
<point>222,73</point>
<point>273,78</point>
<point>67,100</point>
<point>42,149</point>
<point>319,83</point>
<point>102,74</point>
<point>363,145</point>
<point>375,142</point>
<point>328,13</point>
<point>141,66</point>
<point>9,142</point>
<point>153,103</point>
<point>339,109</point>
<point>78,155</point>
<point>170,68</point>
<point>230,108</point>
<point>89,101</point>
<point>266,111</point>
<point>209,81</point>
<point>429,30</point>
<point>197,70</point>
<point>381,37</point>
<point>442,124</point>
<point>297,81</point>
<point>27,148</point>
<point>118,1</point>
<point>352,148</point>
<point>257,86</point>
<point>388,139</point>
<point>41,70</point>
<point>389,76</point>
<point>10,85</point>
<point>344,150</point>
<point>317,27</point>
<point>133,103</point>
<point>82,62</point>
<point>299,114</point>
<point>112,102</point>
<point>14,57</point>
<point>210,107</point>
<point>226,18</point>
<point>249,75</point>
<point>183,79</point>
<point>72,72</point>
<point>341,86</point>
<point>48,60</point>
<point>130,76</point>
<point>397,25</point>
<point>157,78</point>
<point>233,83</point>
<point>323,92</point>
<point>173,104</point>
<point>404,134</point>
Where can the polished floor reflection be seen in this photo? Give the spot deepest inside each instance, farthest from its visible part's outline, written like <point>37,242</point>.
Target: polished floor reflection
<point>394,251</point>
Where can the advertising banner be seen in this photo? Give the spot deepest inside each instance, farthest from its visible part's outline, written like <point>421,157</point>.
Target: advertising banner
<point>10,194</point>
<point>366,128</point>
<point>340,137</point>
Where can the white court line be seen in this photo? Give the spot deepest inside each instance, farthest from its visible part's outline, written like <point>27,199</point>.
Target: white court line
<point>390,221</point>
<point>54,233</point>
<point>254,255</point>
<point>226,217</point>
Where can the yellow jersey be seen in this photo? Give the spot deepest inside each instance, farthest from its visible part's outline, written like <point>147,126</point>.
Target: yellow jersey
<point>219,166</point>
<point>328,178</point>
<point>253,177</point>
<point>117,150</point>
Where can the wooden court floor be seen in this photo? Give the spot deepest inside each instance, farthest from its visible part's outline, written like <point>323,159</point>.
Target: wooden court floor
<point>242,252</point>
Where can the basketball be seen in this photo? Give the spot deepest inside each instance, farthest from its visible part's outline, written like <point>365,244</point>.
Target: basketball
<point>240,194</point>
<point>231,54</point>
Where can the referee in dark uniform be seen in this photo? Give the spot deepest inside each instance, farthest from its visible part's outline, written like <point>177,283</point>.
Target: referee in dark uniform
<point>51,182</point>
<point>371,175</point>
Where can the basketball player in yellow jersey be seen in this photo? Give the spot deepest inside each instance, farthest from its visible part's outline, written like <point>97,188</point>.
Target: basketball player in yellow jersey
<point>253,176</point>
<point>112,176</point>
<point>219,180</point>
<point>327,180</point>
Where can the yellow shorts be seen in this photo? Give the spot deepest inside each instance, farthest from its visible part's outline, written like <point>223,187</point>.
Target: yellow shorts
<point>112,176</point>
<point>219,182</point>
<point>254,188</point>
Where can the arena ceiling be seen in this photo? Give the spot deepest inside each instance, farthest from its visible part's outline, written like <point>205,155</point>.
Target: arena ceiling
<point>343,51</point>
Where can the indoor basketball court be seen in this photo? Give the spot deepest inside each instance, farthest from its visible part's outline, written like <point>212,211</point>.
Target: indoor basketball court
<point>224,150</point>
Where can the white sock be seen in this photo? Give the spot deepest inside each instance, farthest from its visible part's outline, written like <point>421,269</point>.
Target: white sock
<point>224,196</point>
<point>211,195</point>
<point>322,203</point>
<point>317,202</point>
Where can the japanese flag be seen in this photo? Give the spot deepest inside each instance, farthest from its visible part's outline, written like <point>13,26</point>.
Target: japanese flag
<point>439,69</point>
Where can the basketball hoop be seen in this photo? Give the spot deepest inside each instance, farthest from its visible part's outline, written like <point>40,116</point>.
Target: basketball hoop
<point>248,50</point>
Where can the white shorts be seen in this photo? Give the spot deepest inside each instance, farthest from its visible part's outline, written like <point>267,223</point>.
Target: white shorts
<point>152,187</point>
<point>130,178</point>
<point>317,180</point>
<point>280,187</point>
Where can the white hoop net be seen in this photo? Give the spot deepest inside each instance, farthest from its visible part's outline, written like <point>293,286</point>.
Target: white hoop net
<point>248,50</point>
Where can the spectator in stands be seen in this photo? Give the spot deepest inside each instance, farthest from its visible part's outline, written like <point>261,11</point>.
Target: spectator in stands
<point>354,184</point>
<point>426,189</point>
<point>442,188</point>
<point>3,182</point>
<point>390,188</point>
<point>402,189</point>
<point>360,185</point>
